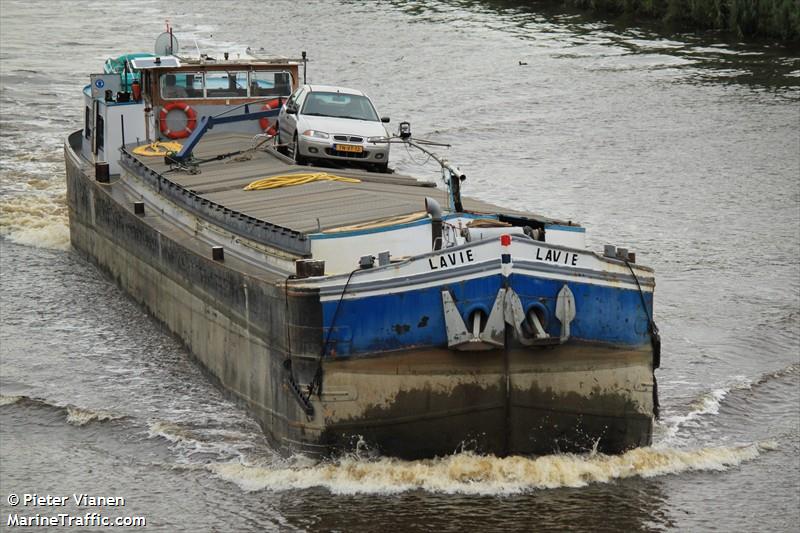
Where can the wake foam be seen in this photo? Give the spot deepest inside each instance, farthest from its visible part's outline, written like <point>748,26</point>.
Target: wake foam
<point>469,473</point>
<point>80,417</point>
<point>8,400</point>
<point>786,371</point>
<point>54,236</point>
<point>170,431</point>
<point>202,443</point>
<point>76,416</point>
<point>36,220</point>
<point>707,404</point>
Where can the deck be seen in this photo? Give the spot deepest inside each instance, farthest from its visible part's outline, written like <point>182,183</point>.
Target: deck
<point>308,208</point>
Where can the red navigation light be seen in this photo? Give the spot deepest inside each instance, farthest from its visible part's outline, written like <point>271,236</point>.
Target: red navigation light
<point>505,239</point>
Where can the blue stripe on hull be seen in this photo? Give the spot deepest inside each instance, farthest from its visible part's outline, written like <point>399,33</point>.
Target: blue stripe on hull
<point>602,314</point>
<point>415,319</point>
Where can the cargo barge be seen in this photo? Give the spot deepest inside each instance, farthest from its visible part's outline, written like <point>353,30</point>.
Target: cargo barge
<point>346,307</point>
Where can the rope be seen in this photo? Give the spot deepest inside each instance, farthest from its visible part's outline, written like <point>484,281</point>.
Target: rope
<point>655,342</point>
<point>316,383</point>
<point>641,294</point>
<point>192,166</point>
<point>247,155</point>
<point>158,149</point>
<point>380,223</point>
<point>289,180</point>
<point>413,159</point>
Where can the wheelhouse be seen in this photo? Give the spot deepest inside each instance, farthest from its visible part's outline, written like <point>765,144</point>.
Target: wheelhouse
<point>148,98</point>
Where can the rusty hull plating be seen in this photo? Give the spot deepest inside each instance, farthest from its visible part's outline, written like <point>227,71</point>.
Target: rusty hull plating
<point>553,399</point>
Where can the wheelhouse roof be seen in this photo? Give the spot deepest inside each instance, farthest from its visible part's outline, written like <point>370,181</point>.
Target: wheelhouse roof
<point>174,63</point>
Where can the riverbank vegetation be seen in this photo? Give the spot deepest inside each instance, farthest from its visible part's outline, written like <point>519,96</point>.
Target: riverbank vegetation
<point>746,18</point>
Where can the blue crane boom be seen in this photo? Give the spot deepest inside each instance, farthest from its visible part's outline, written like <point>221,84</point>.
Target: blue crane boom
<point>208,122</point>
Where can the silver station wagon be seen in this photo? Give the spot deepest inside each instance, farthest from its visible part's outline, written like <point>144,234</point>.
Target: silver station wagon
<point>321,122</point>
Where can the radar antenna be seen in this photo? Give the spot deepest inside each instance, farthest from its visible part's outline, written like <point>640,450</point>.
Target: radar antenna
<point>167,44</point>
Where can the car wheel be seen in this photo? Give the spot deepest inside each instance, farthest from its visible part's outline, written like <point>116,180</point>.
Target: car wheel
<point>279,144</point>
<point>382,167</point>
<point>298,159</point>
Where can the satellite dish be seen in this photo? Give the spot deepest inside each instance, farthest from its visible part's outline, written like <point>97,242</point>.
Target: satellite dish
<point>167,44</point>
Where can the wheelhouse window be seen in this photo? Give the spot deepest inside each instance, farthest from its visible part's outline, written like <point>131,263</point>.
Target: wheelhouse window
<point>270,83</point>
<point>182,85</point>
<point>226,84</point>
<point>326,104</point>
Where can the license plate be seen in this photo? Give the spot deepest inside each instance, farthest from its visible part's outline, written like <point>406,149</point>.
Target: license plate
<point>348,148</point>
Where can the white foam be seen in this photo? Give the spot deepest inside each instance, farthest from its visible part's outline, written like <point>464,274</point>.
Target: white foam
<point>80,417</point>
<point>167,430</point>
<point>468,473</point>
<point>54,236</point>
<point>707,404</point>
<point>208,444</point>
<point>77,416</point>
<point>9,400</point>
<point>36,218</point>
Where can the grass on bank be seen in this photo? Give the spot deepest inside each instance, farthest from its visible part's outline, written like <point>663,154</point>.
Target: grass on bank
<point>768,18</point>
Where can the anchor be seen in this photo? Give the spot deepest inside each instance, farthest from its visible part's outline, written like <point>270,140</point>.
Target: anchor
<point>565,311</point>
<point>459,338</point>
<point>507,309</point>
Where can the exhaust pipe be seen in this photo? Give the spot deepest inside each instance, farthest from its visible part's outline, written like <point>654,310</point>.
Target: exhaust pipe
<point>433,208</point>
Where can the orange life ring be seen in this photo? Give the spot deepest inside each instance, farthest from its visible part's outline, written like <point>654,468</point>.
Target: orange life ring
<point>191,120</point>
<point>266,125</point>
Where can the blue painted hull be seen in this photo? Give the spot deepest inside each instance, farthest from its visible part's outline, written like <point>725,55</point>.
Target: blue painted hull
<point>414,319</point>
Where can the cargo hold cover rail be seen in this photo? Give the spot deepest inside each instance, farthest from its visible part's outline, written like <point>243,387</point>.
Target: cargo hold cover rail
<point>260,231</point>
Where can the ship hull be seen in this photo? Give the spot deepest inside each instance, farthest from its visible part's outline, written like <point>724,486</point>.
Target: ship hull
<point>403,400</point>
<point>556,399</point>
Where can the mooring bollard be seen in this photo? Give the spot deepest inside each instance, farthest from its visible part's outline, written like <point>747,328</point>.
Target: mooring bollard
<point>138,208</point>
<point>306,268</point>
<point>218,253</point>
<point>101,173</point>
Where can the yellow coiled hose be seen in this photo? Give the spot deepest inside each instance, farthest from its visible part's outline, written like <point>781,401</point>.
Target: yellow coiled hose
<point>288,180</point>
<point>157,149</point>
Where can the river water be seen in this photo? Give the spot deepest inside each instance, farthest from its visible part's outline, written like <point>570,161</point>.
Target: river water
<point>685,149</point>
